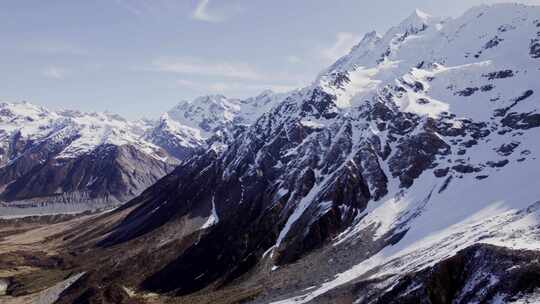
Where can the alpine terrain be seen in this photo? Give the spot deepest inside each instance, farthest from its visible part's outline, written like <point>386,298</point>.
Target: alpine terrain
<point>68,161</point>
<point>407,172</point>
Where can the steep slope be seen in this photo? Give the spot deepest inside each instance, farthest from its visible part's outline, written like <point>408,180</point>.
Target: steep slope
<point>208,121</point>
<point>415,146</point>
<point>71,161</point>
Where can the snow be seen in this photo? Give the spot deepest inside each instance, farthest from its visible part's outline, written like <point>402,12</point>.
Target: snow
<point>83,132</point>
<point>439,66</point>
<point>208,113</point>
<point>187,125</point>
<point>312,124</point>
<point>213,219</point>
<point>411,104</point>
<point>468,211</point>
<point>533,297</point>
<point>52,294</point>
<point>502,209</point>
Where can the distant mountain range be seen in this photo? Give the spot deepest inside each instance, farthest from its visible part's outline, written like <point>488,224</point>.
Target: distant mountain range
<point>69,161</point>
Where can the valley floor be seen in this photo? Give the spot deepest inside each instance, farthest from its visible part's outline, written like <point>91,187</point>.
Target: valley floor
<point>28,258</point>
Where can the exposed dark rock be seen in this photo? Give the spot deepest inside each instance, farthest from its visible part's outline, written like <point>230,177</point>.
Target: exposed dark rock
<point>497,164</point>
<point>465,168</point>
<point>534,48</point>
<point>493,42</point>
<point>505,28</point>
<point>415,155</point>
<point>525,95</point>
<point>422,101</point>
<point>507,149</point>
<point>522,121</point>
<point>441,172</point>
<point>339,80</point>
<point>500,74</point>
<point>477,274</point>
<point>110,173</point>
<point>469,143</point>
<point>487,88</point>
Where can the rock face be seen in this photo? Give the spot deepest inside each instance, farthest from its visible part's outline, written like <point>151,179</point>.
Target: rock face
<point>109,173</point>
<point>70,161</point>
<point>478,274</point>
<point>208,121</point>
<point>73,161</point>
<point>413,145</point>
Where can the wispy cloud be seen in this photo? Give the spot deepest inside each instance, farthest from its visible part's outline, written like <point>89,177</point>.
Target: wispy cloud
<point>240,86</point>
<point>133,9</point>
<point>54,72</point>
<point>188,84</point>
<point>233,87</point>
<point>294,59</point>
<point>202,13</point>
<point>197,66</point>
<point>343,44</point>
<point>231,78</point>
<point>55,48</point>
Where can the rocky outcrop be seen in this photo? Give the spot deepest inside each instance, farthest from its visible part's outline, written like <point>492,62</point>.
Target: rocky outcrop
<point>110,173</point>
<point>72,161</point>
<point>479,274</point>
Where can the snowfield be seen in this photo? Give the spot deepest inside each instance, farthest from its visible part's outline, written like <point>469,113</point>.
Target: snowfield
<point>451,66</point>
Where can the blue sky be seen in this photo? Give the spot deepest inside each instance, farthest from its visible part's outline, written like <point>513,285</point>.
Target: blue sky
<point>140,57</point>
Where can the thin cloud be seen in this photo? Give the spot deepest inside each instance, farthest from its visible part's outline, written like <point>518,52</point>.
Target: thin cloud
<point>55,48</point>
<point>201,13</point>
<point>53,72</point>
<point>188,84</point>
<point>130,8</point>
<point>343,44</point>
<point>219,87</point>
<point>233,87</point>
<point>294,59</point>
<point>196,66</point>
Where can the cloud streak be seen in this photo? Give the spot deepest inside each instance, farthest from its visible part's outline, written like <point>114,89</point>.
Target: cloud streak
<point>233,87</point>
<point>53,72</point>
<point>55,48</point>
<point>130,8</point>
<point>294,59</point>
<point>201,13</point>
<point>230,78</point>
<point>343,44</point>
<point>196,66</point>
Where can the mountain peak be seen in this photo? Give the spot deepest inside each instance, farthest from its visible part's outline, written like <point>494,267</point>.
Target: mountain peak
<point>265,93</point>
<point>212,98</point>
<point>416,22</point>
<point>418,13</point>
<point>370,37</point>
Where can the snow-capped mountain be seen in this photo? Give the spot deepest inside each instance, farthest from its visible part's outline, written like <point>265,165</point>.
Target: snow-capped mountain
<point>67,161</point>
<point>208,121</point>
<point>58,161</point>
<point>405,172</point>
